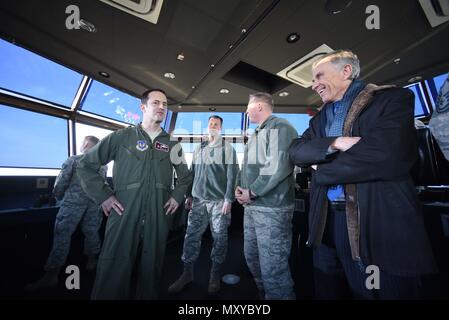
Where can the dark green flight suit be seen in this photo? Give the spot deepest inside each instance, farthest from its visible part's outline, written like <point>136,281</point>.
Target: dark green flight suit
<point>134,244</point>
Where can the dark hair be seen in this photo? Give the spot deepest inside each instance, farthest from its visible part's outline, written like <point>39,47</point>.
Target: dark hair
<point>144,97</point>
<point>214,116</point>
<point>92,139</point>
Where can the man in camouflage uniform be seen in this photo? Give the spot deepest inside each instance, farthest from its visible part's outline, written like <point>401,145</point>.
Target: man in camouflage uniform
<point>439,122</point>
<point>75,207</point>
<point>214,169</point>
<point>266,189</point>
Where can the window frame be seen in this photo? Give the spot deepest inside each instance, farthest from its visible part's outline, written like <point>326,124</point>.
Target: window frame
<point>44,114</point>
<point>86,93</point>
<point>31,98</point>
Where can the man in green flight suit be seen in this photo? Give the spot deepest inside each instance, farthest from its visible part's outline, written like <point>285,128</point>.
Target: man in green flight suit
<point>141,203</point>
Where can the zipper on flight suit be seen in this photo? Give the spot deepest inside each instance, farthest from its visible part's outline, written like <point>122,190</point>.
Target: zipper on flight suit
<point>142,229</point>
<point>150,144</point>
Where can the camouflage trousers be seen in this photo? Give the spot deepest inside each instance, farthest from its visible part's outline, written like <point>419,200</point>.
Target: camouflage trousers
<point>267,245</point>
<point>67,220</point>
<point>204,213</point>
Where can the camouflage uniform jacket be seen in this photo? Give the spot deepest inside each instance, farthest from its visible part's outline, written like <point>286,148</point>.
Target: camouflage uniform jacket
<point>67,185</point>
<point>214,168</point>
<point>267,169</point>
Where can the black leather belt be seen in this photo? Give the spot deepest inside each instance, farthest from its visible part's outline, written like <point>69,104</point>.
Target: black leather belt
<point>337,205</point>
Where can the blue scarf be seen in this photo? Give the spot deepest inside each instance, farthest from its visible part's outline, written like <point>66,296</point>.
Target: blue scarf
<point>336,114</point>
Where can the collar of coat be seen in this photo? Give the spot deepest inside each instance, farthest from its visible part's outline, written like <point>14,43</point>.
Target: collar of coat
<point>219,142</point>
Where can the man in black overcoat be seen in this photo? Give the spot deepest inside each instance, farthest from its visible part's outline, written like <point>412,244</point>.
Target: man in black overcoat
<point>365,220</point>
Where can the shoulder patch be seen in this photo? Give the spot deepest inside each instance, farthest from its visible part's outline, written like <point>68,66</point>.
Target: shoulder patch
<point>142,145</point>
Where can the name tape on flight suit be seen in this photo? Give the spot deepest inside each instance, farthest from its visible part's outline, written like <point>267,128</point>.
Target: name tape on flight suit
<point>161,147</point>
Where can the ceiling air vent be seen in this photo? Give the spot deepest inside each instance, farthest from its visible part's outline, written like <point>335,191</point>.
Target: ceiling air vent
<point>148,10</point>
<point>437,11</point>
<point>300,71</point>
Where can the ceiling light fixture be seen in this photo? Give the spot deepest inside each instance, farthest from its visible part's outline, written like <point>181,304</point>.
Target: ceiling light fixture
<point>180,57</point>
<point>87,25</point>
<point>224,91</point>
<point>397,60</point>
<point>293,37</point>
<point>212,109</point>
<point>169,75</point>
<point>104,74</point>
<point>283,94</point>
<point>336,6</point>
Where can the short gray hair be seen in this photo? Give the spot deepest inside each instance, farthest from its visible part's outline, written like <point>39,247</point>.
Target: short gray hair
<point>94,140</point>
<point>341,58</point>
<point>262,97</point>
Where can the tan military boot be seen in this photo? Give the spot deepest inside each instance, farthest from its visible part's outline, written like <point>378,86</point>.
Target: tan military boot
<point>214,283</point>
<point>185,278</point>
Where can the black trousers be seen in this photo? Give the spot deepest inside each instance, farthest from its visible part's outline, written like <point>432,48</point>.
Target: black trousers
<point>338,276</point>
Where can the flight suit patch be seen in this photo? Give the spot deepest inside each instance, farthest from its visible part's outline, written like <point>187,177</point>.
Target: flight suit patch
<point>141,145</point>
<point>161,147</point>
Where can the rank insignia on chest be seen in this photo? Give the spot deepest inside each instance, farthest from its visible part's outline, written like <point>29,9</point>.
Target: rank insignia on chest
<point>161,147</point>
<point>141,145</point>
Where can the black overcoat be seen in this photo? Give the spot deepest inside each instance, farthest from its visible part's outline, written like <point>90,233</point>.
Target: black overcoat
<point>392,233</point>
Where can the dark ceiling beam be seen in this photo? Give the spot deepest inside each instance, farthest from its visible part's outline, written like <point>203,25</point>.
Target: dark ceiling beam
<point>234,46</point>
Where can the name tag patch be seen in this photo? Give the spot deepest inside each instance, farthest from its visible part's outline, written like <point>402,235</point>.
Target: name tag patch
<point>161,147</point>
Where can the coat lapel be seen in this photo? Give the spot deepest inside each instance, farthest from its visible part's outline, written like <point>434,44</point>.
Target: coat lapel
<point>352,210</point>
